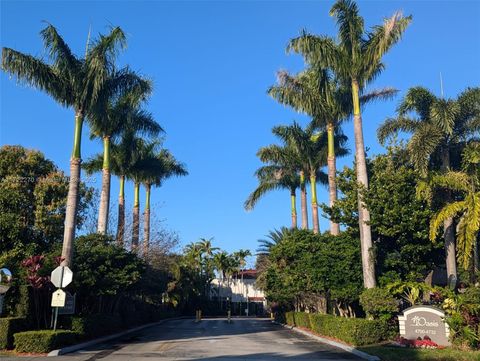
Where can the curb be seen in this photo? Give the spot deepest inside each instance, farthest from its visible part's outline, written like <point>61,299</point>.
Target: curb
<point>83,345</point>
<point>327,341</point>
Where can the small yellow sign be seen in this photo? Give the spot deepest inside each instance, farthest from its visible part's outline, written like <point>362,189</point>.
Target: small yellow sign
<point>58,298</point>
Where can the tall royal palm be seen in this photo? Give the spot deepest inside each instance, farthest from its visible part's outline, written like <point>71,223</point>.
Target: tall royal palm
<point>439,128</point>
<point>285,158</point>
<point>73,82</point>
<point>121,161</point>
<point>318,94</point>
<point>356,59</point>
<point>157,168</point>
<point>312,150</point>
<point>272,177</point>
<point>119,113</point>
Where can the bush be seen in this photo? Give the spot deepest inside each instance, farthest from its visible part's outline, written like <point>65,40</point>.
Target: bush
<point>43,341</point>
<point>378,303</point>
<point>290,318</point>
<point>302,319</point>
<point>355,331</point>
<point>8,327</point>
<point>96,325</point>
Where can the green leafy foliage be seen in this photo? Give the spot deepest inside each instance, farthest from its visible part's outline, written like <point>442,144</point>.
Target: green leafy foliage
<point>355,331</point>
<point>32,204</point>
<point>463,317</point>
<point>43,341</point>
<point>378,303</point>
<point>399,221</point>
<point>303,265</point>
<point>8,327</point>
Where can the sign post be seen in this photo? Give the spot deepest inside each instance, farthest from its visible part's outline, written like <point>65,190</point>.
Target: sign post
<point>61,277</point>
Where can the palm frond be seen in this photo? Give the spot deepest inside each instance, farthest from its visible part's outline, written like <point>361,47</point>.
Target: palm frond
<point>449,211</point>
<point>32,71</point>
<point>392,126</point>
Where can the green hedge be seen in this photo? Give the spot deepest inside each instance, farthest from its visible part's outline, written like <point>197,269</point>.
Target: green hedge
<point>96,325</point>
<point>43,341</point>
<point>8,327</point>
<point>290,318</point>
<point>355,331</point>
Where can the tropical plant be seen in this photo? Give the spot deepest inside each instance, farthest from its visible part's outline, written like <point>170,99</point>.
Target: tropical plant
<point>156,169</point>
<point>318,94</point>
<point>273,177</point>
<point>311,149</point>
<point>118,113</point>
<point>465,207</point>
<point>439,128</point>
<point>283,170</point>
<point>73,82</point>
<point>356,59</point>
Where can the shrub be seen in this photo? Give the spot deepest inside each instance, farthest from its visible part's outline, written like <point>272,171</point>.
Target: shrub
<point>378,303</point>
<point>290,318</point>
<point>43,341</point>
<point>8,327</point>
<point>96,325</point>
<point>302,319</point>
<point>355,331</point>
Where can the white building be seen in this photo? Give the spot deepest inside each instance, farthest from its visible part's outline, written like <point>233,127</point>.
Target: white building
<point>241,291</point>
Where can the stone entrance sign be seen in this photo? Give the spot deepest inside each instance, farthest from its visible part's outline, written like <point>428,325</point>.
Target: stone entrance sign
<point>421,321</point>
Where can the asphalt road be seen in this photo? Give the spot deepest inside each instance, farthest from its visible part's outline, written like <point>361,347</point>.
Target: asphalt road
<point>212,340</point>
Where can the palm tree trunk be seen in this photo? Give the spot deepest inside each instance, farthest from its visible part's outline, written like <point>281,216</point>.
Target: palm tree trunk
<point>293,200</point>
<point>449,229</point>
<point>121,213</point>
<point>368,263</point>
<point>332,171</point>
<point>136,218</point>
<point>313,187</point>
<point>303,201</point>
<point>73,193</point>
<point>146,221</point>
<point>105,194</point>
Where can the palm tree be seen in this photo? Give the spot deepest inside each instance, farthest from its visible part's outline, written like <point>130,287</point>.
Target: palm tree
<point>73,82</point>
<point>141,160</point>
<point>273,238</point>
<point>119,113</point>
<point>318,94</point>
<point>160,166</point>
<point>356,59</point>
<point>273,177</point>
<point>466,185</point>
<point>439,128</point>
<point>312,151</point>
<point>286,158</point>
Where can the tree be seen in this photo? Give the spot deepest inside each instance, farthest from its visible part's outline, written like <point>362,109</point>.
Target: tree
<point>119,112</point>
<point>311,150</point>
<point>73,82</point>
<point>466,206</point>
<point>400,220</point>
<point>317,93</point>
<point>121,161</point>
<point>283,165</point>
<point>157,168</point>
<point>305,269</point>
<point>439,128</point>
<point>355,59</point>
<point>273,177</point>
<point>33,199</point>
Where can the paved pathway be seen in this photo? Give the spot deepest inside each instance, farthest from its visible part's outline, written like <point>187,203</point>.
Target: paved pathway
<point>211,340</point>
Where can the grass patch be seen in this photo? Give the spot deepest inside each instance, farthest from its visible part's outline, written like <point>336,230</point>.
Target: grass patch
<point>387,353</point>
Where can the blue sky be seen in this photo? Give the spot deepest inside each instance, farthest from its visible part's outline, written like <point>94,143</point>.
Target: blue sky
<point>212,63</point>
